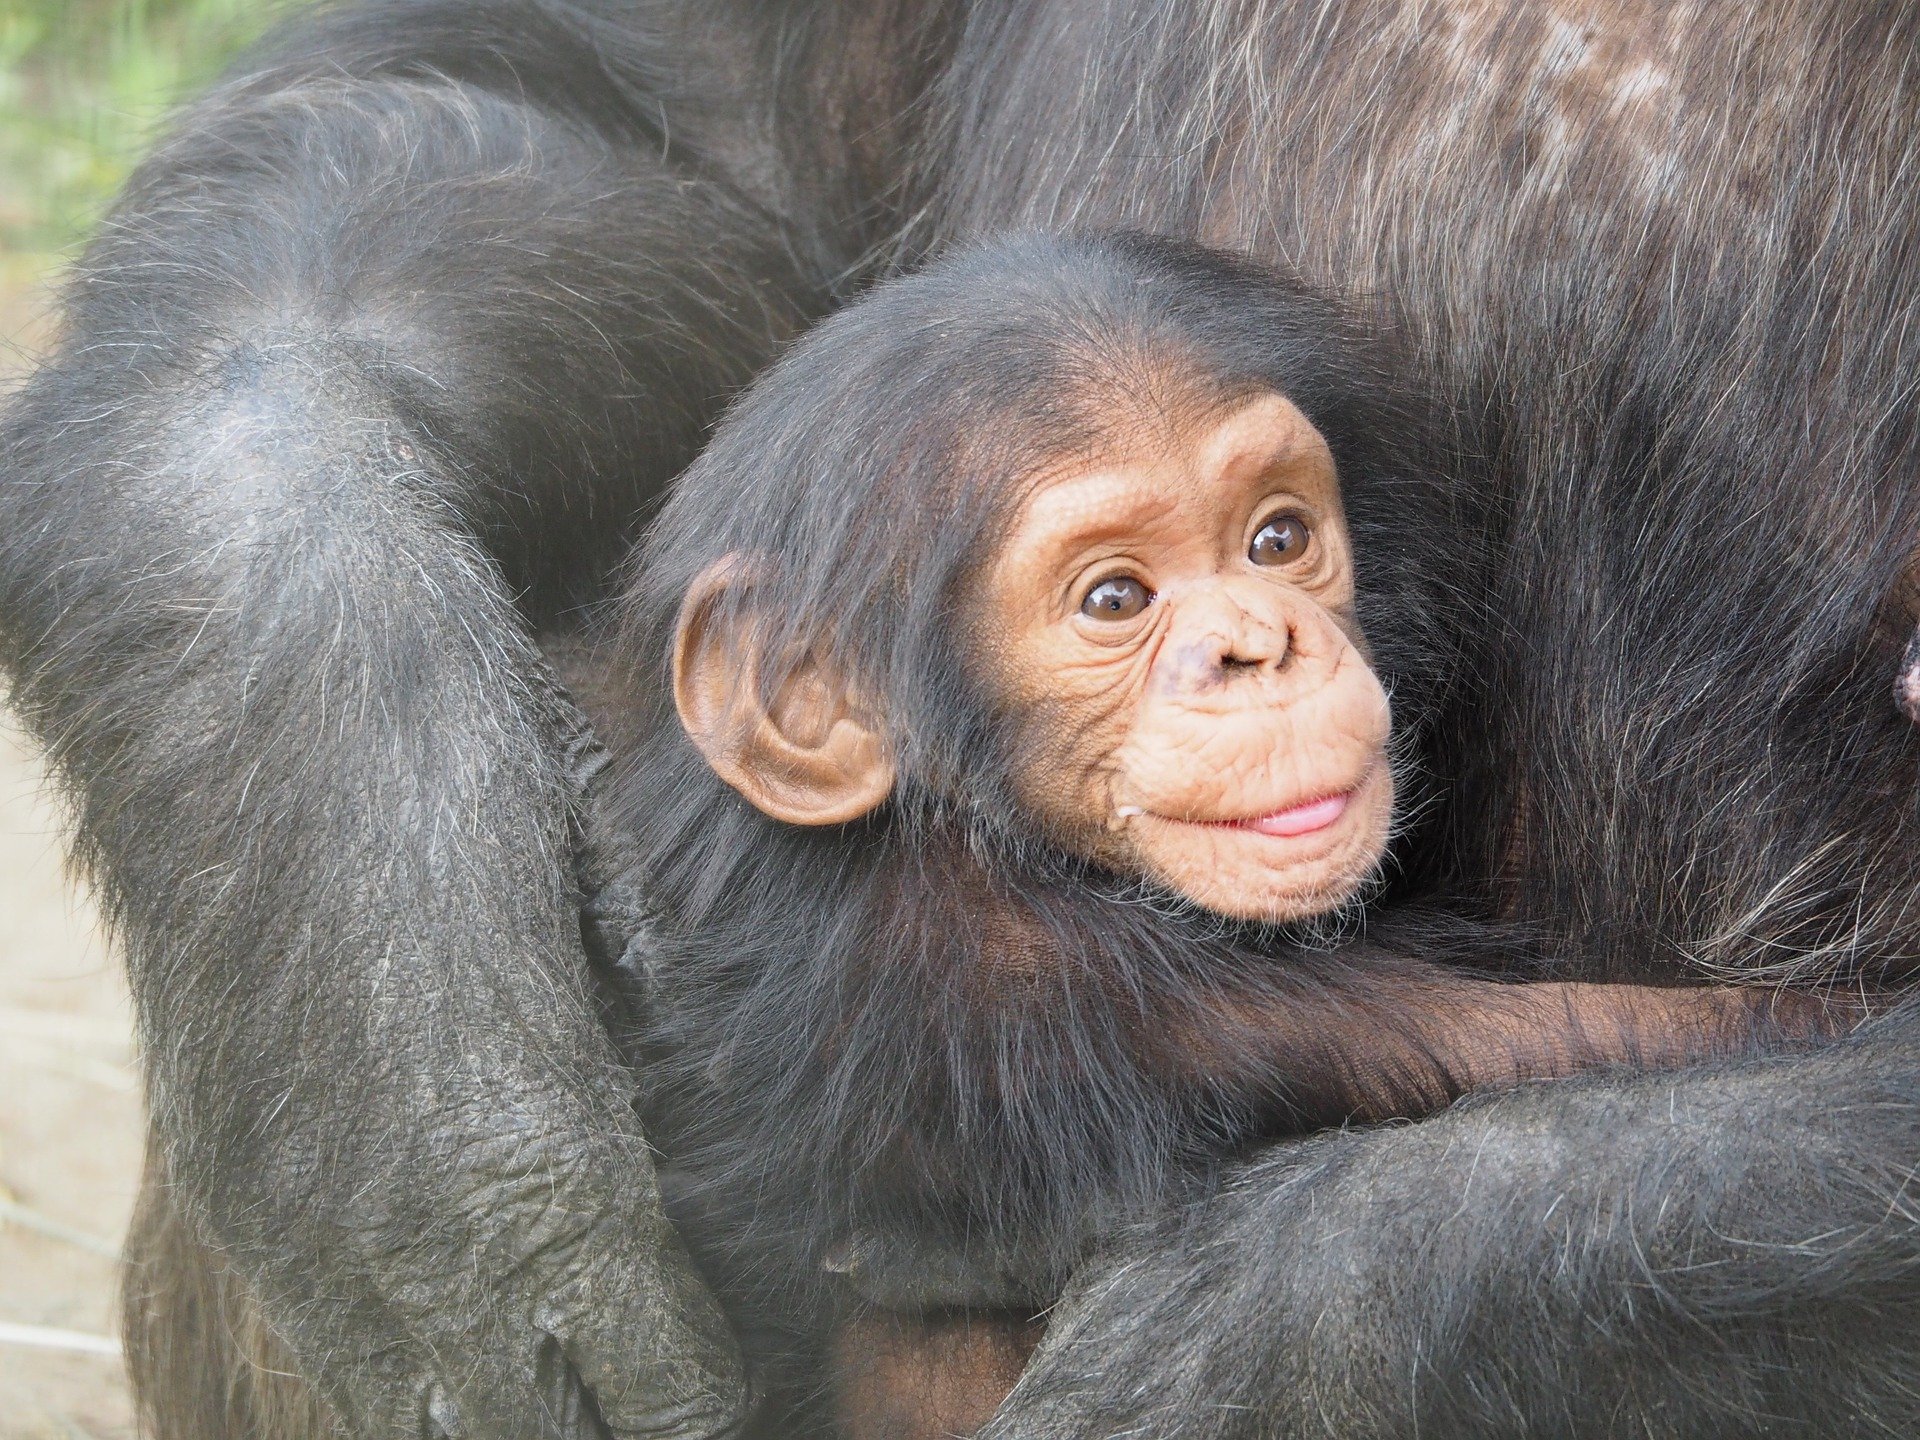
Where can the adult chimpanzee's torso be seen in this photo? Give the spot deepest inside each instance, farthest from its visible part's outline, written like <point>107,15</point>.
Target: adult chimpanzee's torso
<point>1671,323</point>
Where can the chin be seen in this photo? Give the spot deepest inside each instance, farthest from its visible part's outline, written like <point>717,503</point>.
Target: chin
<point>1314,904</point>
<point>1301,898</point>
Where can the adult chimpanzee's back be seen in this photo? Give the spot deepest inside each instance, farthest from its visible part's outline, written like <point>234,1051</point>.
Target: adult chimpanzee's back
<point>373,372</point>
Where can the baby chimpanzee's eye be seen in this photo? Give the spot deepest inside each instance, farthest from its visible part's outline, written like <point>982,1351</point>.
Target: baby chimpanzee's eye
<point>1120,598</point>
<point>1281,540</point>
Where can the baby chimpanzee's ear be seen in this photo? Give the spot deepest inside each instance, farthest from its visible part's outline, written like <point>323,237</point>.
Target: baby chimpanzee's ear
<point>809,755</point>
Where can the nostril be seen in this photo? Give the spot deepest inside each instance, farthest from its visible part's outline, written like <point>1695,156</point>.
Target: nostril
<point>1235,664</point>
<point>1246,645</point>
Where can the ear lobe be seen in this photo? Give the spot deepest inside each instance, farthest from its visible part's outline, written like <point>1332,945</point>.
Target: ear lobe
<point>810,757</point>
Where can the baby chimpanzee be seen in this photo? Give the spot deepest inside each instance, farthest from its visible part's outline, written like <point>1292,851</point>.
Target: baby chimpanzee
<point>1006,720</point>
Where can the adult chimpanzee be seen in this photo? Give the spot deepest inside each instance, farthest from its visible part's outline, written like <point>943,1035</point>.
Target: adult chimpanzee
<point>1003,643</point>
<point>405,323</point>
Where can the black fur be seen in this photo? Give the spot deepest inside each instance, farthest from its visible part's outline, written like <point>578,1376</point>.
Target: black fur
<point>936,1030</point>
<point>410,320</point>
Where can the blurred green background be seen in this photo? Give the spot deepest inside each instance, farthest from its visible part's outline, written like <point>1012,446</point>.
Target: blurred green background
<point>83,85</point>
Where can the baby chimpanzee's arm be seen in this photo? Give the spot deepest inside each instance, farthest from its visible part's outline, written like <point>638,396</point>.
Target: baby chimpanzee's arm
<point>928,1377</point>
<point>1403,1051</point>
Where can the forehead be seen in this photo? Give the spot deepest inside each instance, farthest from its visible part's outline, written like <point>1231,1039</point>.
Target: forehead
<point>1258,446</point>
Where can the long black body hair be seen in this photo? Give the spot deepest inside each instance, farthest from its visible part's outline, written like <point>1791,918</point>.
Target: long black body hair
<point>932,1033</point>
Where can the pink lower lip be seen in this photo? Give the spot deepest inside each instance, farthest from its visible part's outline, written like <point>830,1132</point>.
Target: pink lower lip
<point>1302,819</point>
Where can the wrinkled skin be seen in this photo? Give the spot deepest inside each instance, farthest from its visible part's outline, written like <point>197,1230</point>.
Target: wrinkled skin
<point>1232,692</point>
<point>1225,737</point>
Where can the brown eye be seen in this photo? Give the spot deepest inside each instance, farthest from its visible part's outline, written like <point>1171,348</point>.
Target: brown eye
<point>1120,598</point>
<point>1281,540</point>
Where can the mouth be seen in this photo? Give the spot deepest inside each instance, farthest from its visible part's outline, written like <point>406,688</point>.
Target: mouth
<point>1306,818</point>
<point>1298,819</point>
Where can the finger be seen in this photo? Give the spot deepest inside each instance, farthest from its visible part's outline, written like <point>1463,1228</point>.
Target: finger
<point>568,1398</point>
<point>512,1383</point>
<point>377,1383</point>
<point>450,1357</point>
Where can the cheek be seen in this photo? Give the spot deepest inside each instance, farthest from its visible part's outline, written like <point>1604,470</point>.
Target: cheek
<point>1070,716</point>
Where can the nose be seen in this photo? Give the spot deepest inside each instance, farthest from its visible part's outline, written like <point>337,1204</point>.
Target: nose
<point>1254,644</point>
<point>1232,640</point>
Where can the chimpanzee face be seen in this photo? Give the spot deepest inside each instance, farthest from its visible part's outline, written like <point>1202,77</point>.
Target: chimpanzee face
<point>1176,627</point>
<point>1169,630</point>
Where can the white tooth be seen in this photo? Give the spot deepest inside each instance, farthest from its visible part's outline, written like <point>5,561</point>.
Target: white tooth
<point>1127,812</point>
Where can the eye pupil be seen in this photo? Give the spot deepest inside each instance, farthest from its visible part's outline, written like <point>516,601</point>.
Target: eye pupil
<point>1121,598</point>
<point>1281,539</point>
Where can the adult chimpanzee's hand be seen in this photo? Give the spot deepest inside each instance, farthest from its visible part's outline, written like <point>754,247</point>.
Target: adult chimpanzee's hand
<point>263,519</point>
<point>1714,1253</point>
<point>380,1086</point>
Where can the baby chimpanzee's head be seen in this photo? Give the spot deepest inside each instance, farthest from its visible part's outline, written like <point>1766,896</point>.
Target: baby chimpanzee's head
<point>1052,539</point>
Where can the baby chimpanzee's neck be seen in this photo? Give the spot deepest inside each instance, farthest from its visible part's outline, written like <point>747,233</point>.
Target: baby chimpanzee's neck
<point>949,1053</point>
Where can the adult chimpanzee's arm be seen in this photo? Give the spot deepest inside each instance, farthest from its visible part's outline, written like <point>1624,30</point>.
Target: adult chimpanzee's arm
<point>354,335</point>
<point>1725,1252</point>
